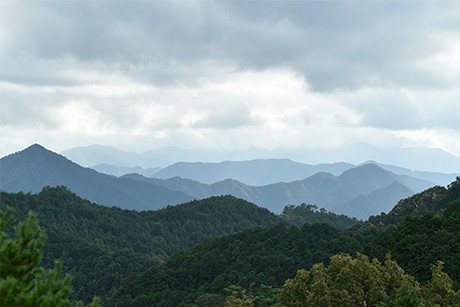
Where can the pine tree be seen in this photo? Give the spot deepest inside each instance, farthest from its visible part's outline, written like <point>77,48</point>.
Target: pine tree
<point>22,281</point>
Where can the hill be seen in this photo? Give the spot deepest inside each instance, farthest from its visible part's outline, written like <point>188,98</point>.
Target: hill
<point>420,241</point>
<point>260,260</point>
<point>100,246</point>
<point>36,167</point>
<point>249,259</point>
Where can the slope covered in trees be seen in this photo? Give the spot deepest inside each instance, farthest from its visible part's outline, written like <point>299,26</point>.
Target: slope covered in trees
<point>311,214</point>
<point>261,259</point>
<point>249,259</point>
<point>420,241</point>
<point>100,246</point>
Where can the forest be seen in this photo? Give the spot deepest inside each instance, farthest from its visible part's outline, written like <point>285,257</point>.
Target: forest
<point>224,250</point>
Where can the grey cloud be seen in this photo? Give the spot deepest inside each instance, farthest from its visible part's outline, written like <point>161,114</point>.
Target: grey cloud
<point>228,117</point>
<point>388,110</point>
<point>378,43</point>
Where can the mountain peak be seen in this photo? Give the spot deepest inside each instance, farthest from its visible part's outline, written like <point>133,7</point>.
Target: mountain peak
<point>35,147</point>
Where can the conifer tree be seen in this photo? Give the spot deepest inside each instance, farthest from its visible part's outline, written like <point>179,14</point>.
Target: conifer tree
<point>22,281</point>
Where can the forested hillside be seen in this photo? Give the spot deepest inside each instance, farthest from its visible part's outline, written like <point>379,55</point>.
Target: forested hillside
<point>100,245</point>
<point>420,241</point>
<point>249,259</point>
<point>134,255</point>
<point>262,259</point>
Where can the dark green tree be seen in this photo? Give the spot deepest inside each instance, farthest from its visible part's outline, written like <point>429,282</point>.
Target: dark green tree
<point>22,281</point>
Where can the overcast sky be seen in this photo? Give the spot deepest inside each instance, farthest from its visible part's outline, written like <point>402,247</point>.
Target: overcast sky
<point>230,75</point>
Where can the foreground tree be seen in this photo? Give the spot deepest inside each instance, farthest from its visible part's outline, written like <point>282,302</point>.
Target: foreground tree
<point>360,282</point>
<point>22,281</point>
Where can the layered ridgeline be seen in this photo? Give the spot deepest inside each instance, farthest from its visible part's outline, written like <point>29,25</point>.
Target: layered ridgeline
<point>256,172</point>
<point>260,260</point>
<point>35,167</point>
<point>360,192</point>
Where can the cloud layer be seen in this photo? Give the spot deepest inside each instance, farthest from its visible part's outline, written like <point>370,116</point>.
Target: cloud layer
<point>230,75</point>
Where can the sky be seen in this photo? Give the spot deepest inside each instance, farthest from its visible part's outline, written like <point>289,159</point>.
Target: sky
<point>230,75</point>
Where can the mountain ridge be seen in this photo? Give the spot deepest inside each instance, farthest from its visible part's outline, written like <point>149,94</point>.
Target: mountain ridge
<point>36,167</point>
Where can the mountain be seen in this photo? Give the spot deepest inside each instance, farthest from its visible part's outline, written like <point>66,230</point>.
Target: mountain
<point>355,192</point>
<point>428,201</point>
<point>259,171</point>
<point>254,172</point>
<point>436,177</point>
<point>36,167</point>
<point>382,199</point>
<point>359,192</point>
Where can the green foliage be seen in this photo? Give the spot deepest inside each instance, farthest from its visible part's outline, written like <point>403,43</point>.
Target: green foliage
<point>421,241</point>
<point>311,214</point>
<point>239,299</point>
<point>357,281</point>
<point>259,260</point>
<point>101,246</point>
<point>210,300</point>
<point>22,281</point>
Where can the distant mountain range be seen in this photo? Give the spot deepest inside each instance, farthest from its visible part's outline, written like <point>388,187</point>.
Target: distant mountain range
<point>254,172</point>
<point>424,159</point>
<point>112,161</point>
<point>359,191</point>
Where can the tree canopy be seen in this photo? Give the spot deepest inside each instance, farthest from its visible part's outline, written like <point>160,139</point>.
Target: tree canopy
<point>349,281</point>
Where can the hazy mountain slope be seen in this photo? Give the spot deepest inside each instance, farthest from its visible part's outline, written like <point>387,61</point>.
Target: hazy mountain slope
<point>337,194</point>
<point>254,172</point>
<point>434,177</point>
<point>35,167</point>
<point>428,201</point>
<point>322,189</point>
<point>111,169</point>
<point>376,202</point>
